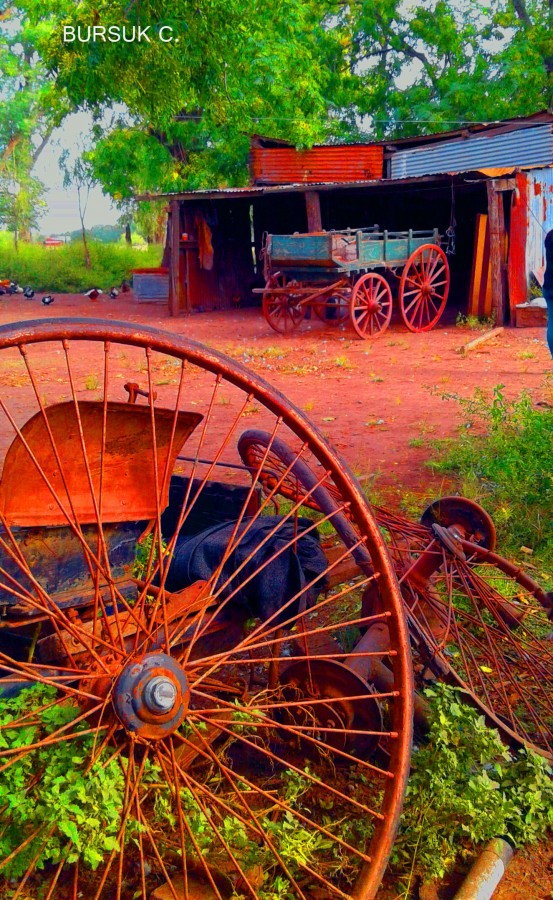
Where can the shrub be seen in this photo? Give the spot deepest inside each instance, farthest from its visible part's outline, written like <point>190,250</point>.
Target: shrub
<point>62,268</point>
<point>466,788</point>
<point>503,459</point>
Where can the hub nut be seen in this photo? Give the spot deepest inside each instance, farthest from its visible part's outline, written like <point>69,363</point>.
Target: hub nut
<point>160,695</point>
<point>151,696</point>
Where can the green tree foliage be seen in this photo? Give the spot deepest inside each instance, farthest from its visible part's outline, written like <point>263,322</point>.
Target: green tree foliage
<point>182,111</point>
<point>234,68</point>
<point>430,66</point>
<point>30,107</point>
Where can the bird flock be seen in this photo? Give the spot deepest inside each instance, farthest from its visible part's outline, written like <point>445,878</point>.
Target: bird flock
<point>8,287</point>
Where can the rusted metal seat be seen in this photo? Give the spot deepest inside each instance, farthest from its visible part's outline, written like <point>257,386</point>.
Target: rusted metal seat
<point>64,473</point>
<point>56,465</point>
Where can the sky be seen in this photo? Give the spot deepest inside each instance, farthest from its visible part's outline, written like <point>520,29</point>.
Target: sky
<point>62,213</point>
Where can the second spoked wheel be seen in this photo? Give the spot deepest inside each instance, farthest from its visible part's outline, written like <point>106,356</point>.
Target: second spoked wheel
<point>177,706</point>
<point>281,305</point>
<point>424,288</point>
<point>371,305</point>
<point>480,622</point>
<point>477,620</point>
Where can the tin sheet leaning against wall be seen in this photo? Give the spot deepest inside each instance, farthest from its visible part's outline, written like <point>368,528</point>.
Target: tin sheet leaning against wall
<point>540,216</point>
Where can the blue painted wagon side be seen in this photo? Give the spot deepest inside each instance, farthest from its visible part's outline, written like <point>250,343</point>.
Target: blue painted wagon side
<point>313,256</point>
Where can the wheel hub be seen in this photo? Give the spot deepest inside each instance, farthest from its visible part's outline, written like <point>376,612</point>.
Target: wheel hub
<point>151,696</point>
<point>348,725</point>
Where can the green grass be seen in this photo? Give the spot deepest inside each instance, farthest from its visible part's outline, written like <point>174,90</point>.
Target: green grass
<point>474,323</point>
<point>62,268</point>
<point>502,459</point>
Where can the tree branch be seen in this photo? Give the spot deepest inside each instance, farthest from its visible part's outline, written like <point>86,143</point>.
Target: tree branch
<point>417,54</point>
<point>175,149</point>
<point>41,146</point>
<point>519,7</point>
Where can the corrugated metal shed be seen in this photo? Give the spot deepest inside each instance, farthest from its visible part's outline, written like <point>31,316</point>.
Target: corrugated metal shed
<point>338,164</point>
<point>531,146</point>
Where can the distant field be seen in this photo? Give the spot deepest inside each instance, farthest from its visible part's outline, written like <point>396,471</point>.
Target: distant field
<point>62,269</point>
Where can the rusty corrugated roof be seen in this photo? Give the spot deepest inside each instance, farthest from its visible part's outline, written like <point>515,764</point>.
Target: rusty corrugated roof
<point>286,165</point>
<point>260,190</point>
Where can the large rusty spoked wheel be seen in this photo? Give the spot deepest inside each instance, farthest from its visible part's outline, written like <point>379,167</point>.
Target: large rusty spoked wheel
<point>424,287</point>
<point>282,308</point>
<point>179,704</point>
<point>480,622</point>
<point>371,305</point>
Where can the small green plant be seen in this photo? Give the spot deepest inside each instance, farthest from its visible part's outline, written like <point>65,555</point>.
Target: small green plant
<point>74,809</point>
<point>474,323</point>
<point>91,382</point>
<point>502,457</point>
<point>343,363</point>
<point>146,556</point>
<point>464,789</point>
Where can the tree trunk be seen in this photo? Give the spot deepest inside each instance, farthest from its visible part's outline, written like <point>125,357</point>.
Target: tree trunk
<point>82,211</point>
<point>128,236</point>
<point>166,258</point>
<point>85,245</point>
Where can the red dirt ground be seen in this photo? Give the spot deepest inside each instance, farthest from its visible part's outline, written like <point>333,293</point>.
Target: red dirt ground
<point>371,398</point>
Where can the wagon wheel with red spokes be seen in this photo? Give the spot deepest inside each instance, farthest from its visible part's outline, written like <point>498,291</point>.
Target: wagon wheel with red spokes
<point>371,305</point>
<point>424,287</point>
<point>281,306</point>
<point>181,702</point>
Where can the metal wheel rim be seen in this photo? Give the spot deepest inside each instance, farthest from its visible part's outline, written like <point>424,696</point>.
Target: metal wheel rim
<point>341,308</point>
<point>278,309</point>
<point>480,622</point>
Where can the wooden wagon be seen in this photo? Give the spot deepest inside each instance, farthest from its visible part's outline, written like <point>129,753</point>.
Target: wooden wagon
<point>333,273</point>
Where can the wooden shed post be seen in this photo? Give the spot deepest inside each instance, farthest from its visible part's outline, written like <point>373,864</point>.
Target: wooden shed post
<point>313,205</point>
<point>496,223</point>
<point>175,283</point>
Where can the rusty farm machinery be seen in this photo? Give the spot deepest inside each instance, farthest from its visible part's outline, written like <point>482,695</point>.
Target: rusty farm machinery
<point>257,663</point>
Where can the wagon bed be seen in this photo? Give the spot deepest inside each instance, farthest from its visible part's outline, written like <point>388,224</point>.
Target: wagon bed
<point>334,273</point>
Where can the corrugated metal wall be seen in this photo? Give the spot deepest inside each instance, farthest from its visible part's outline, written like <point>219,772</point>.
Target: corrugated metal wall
<point>525,147</point>
<point>540,216</point>
<point>285,165</point>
